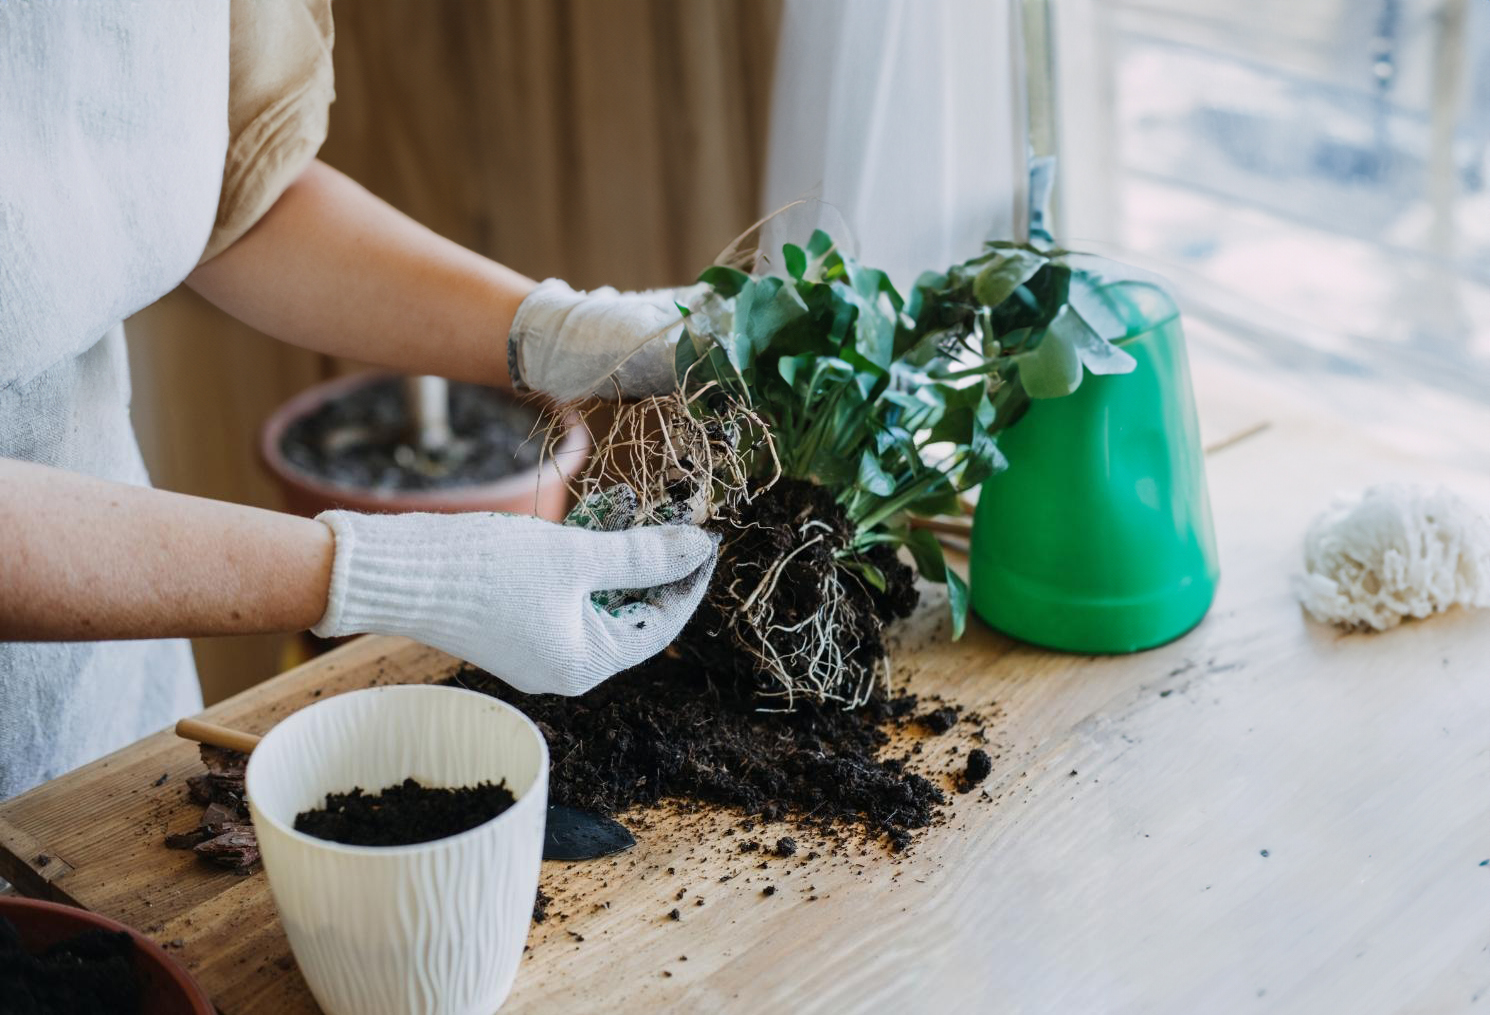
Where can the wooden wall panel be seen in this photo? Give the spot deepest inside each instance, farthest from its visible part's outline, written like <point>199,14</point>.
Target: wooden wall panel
<point>614,142</point>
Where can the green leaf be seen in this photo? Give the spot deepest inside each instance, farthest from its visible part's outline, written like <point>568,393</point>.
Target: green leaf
<point>932,564</point>
<point>1008,271</point>
<point>685,355</point>
<point>825,263</point>
<point>874,329</point>
<point>727,281</point>
<point>1053,370</point>
<point>1034,304</point>
<point>966,406</point>
<point>1098,306</point>
<point>819,244</point>
<point>872,477</point>
<point>764,307</point>
<point>945,503</point>
<point>795,369</point>
<point>796,260</point>
<point>926,286</point>
<point>957,601</point>
<point>873,575</point>
<point>1097,354</point>
<point>927,553</point>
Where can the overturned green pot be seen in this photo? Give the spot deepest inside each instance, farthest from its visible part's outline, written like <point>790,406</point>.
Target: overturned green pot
<point>1098,536</point>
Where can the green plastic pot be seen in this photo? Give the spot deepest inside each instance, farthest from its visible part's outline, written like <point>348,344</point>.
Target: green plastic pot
<point>1098,536</point>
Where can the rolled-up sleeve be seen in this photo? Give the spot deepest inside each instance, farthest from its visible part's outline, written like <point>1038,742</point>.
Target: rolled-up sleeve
<point>279,98</point>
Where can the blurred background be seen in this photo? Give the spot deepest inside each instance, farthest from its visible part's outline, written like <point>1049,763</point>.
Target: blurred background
<point>1310,175</point>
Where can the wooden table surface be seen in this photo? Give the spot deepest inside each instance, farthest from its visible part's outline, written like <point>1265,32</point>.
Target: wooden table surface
<point>1266,815</point>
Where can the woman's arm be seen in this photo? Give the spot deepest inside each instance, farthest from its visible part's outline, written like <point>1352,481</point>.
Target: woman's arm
<point>83,559</point>
<point>332,268</point>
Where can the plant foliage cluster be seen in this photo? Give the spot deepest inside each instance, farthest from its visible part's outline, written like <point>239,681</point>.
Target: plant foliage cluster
<point>892,401</point>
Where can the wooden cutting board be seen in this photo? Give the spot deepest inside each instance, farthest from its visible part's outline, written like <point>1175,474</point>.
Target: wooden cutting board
<point>1264,814</point>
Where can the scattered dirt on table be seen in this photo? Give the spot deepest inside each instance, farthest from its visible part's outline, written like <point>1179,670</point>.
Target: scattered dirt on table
<point>939,720</point>
<point>224,835</point>
<point>92,973</point>
<point>540,906</point>
<point>668,730</point>
<point>404,814</point>
<point>364,439</point>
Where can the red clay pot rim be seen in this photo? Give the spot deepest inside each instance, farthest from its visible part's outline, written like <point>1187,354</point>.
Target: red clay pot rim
<point>189,989</point>
<point>568,458</point>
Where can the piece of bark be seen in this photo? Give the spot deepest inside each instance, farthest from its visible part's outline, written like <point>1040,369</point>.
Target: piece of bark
<point>237,849</point>
<point>224,835</point>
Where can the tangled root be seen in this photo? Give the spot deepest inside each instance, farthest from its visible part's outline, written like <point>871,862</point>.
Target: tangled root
<point>705,458</point>
<point>798,656</point>
<point>680,459</point>
<point>782,605</point>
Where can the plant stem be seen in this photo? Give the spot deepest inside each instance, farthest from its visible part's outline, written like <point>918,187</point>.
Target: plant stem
<point>908,496</point>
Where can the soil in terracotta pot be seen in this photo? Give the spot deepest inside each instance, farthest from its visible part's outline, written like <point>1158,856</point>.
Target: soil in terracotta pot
<point>93,972</point>
<point>362,440</point>
<point>404,814</point>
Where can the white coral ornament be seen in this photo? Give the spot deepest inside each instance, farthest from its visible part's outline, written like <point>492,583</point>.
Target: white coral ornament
<point>1399,551</point>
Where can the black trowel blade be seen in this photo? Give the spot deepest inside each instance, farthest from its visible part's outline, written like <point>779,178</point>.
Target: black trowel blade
<point>573,834</point>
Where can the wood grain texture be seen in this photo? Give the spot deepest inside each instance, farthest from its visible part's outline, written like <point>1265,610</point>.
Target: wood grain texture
<point>1117,863</point>
<point>607,142</point>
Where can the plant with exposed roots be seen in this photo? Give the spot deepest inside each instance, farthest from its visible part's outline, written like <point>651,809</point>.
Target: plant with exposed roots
<point>817,413</point>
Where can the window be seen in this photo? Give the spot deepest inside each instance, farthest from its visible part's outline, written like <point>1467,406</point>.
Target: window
<point>1312,172</point>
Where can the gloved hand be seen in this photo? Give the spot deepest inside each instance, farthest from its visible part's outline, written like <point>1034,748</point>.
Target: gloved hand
<point>512,594</point>
<point>607,343</point>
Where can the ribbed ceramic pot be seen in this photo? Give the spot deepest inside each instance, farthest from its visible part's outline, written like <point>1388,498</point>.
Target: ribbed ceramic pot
<point>436,928</point>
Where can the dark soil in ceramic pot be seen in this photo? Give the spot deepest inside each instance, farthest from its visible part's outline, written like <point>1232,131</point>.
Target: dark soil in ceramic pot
<point>405,814</point>
<point>344,443</point>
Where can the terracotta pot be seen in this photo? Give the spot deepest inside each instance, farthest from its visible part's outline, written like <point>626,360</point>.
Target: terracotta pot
<point>169,989</point>
<point>540,491</point>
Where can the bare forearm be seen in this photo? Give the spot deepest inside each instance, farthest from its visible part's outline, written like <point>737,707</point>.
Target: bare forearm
<point>332,268</point>
<point>84,559</point>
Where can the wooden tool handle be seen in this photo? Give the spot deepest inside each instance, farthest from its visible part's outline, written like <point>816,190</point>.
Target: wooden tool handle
<point>216,736</point>
<point>944,526</point>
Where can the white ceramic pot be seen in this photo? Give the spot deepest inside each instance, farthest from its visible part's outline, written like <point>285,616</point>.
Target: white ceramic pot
<point>435,928</point>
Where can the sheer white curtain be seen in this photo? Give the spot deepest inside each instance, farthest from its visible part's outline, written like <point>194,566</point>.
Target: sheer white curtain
<point>907,119</point>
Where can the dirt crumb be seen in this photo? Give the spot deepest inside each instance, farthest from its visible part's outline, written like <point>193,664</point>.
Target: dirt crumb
<point>979,765</point>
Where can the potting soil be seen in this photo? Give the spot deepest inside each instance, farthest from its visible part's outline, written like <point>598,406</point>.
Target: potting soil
<point>669,730</point>
<point>93,972</point>
<point>404,814</point>
<point>363,439</point>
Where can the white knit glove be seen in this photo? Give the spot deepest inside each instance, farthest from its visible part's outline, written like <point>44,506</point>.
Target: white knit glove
<point>512,594</point>
<point>612,344</point>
